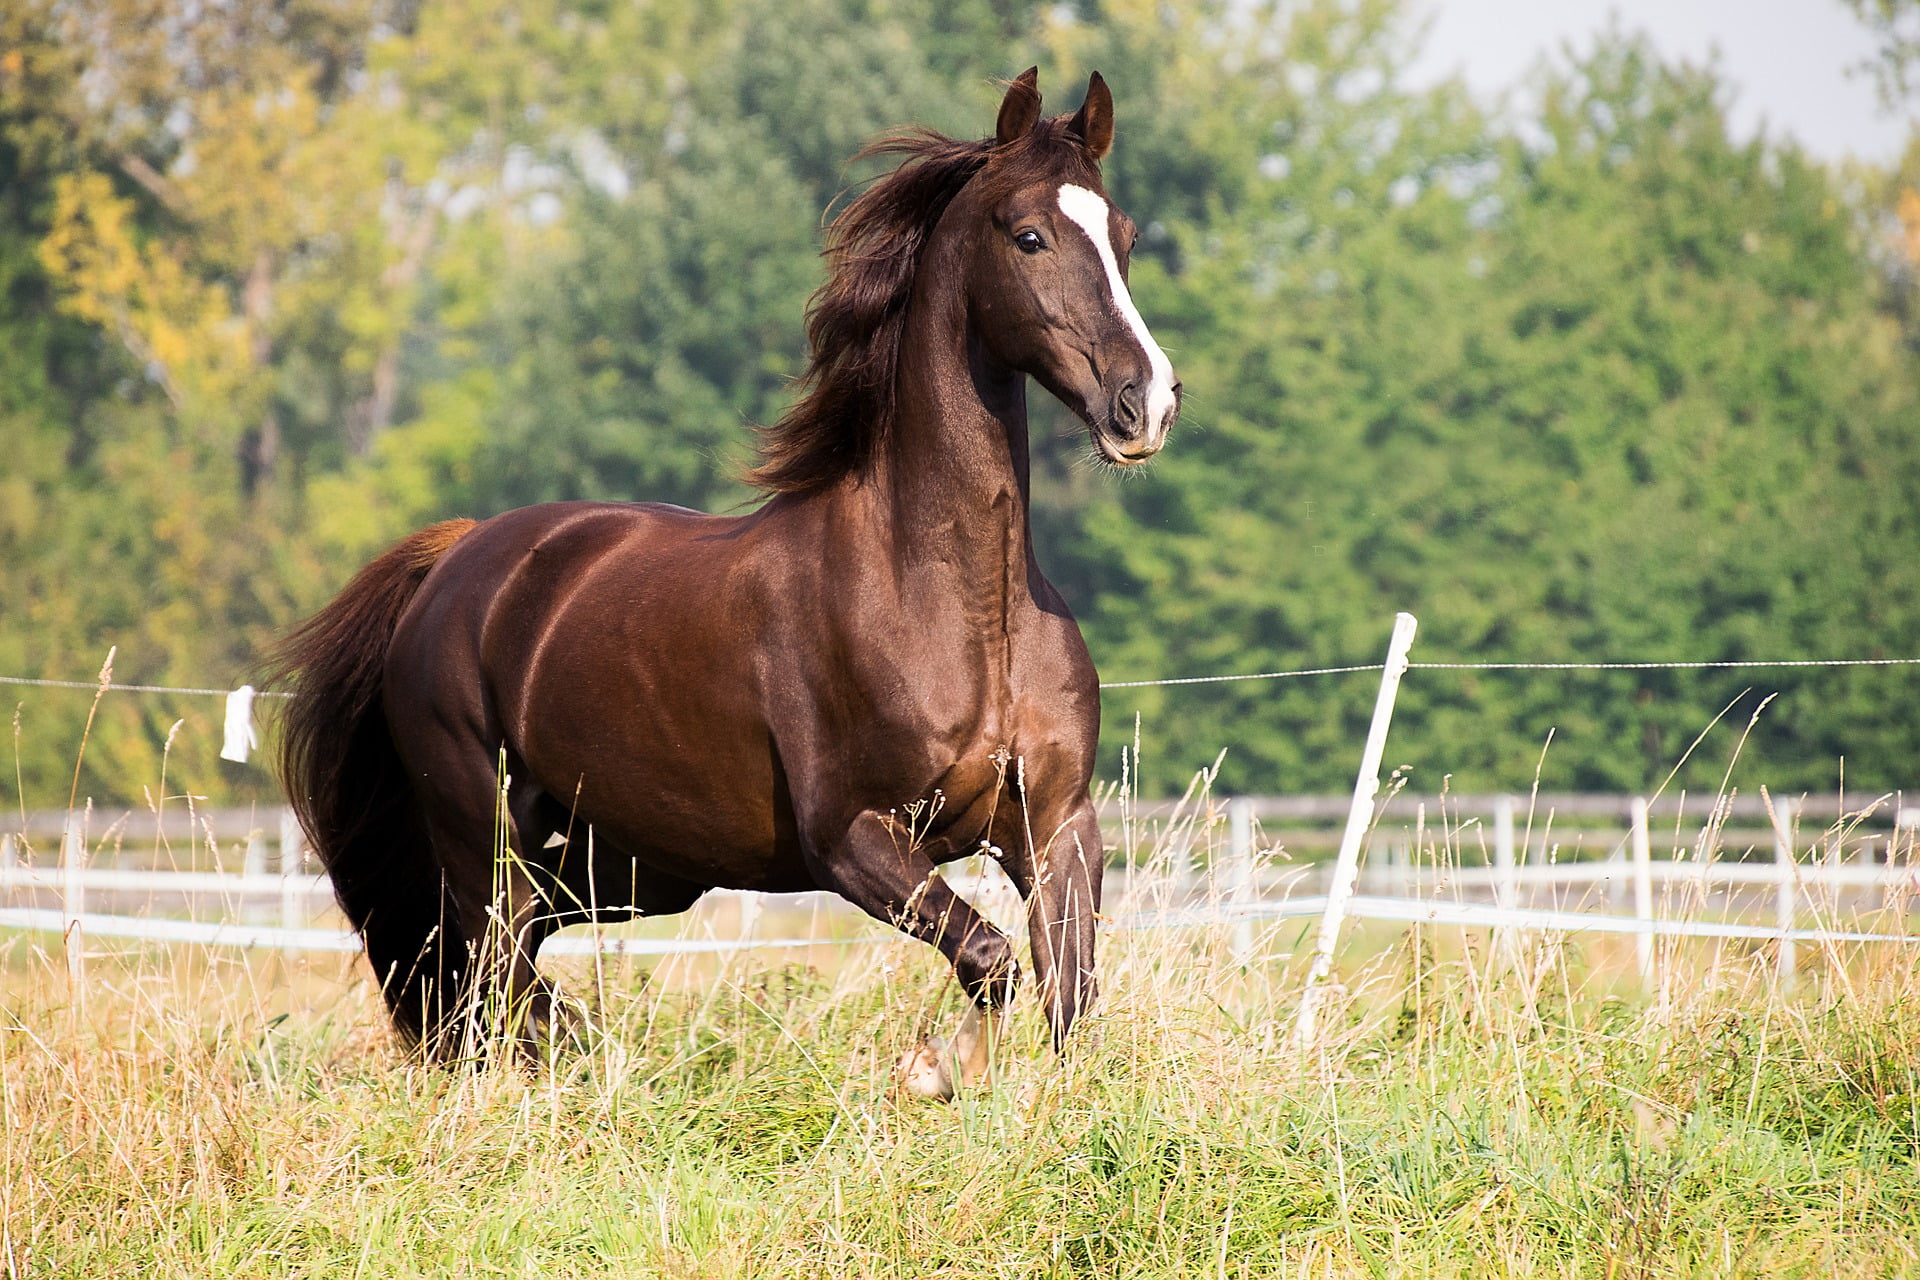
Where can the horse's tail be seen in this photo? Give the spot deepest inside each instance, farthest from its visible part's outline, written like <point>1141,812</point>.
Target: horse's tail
<point>345,780</point>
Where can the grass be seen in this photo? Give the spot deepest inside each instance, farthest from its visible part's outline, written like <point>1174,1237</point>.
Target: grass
<point>237,1115</point>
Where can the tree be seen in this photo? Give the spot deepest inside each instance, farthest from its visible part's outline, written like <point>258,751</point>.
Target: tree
<point>285,285</point>
<point>1623,394</point>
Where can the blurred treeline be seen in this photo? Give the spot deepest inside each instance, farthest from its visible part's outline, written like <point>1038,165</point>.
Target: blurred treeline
<point>1590,381</point>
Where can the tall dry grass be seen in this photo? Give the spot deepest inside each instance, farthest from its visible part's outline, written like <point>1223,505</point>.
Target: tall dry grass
<point>1471,1112</point>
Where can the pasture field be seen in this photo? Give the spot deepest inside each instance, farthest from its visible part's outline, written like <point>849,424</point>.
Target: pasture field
<point>237,1114</point>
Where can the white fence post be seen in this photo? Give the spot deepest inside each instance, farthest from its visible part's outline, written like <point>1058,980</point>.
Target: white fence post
<point>1359,814</point>
<point>1642,887</point>
<point>1831,859</point>
<point>1785,892</point>
<point>73,901</point>
<point>1240,875</point>
<point>1905,837</point>
<point>292,863</point>
<point>1506,877</point>
<point>255,865</point>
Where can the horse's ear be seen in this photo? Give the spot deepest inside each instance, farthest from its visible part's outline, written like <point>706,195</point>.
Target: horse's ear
<point>1020,109</point>
<point>1093,123</point>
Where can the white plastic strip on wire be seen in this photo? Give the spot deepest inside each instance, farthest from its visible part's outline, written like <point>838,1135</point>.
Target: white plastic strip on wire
<point>1406,910</point>
<point>155,929</point>
<point>224,934</point>
<point>223,884</point>
<point>1474,914</point>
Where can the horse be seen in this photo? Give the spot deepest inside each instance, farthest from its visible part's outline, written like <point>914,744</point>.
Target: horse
<point>863,677</point>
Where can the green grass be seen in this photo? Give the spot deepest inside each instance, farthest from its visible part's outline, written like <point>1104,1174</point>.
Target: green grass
<point>236,1117</point>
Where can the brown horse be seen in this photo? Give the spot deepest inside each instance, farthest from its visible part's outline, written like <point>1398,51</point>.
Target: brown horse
<point>864,677</point>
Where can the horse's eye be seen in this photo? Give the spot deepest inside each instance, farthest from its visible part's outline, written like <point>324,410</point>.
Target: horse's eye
<point>1029,242</point>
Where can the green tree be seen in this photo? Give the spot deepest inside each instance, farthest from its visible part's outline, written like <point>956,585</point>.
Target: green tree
<point>1624,392</point>
<point>1605,385</point>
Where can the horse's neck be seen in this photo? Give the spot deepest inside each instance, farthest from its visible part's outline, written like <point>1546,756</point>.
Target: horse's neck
<point>953,476</point>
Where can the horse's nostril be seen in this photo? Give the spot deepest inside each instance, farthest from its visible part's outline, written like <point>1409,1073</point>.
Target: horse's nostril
<point>1130,408</point>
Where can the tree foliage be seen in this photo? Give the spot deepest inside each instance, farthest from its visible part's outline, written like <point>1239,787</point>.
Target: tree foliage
<point>1602,384</point>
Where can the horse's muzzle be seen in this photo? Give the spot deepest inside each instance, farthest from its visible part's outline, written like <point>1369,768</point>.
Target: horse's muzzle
<point>1136,429</point>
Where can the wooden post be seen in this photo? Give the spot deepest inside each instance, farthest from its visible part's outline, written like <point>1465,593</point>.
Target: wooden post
<point>254,866</point>
<point>1179,864</point>
<point>1359,814</point>
<point>1831,867</point>
<point>1413,847</point>
<point>1239,884</point>
<point>1642,887</point>
<point>1506,874</point>
<point>292,863</point>
<point>73,902</point>
<point>1905,838</point>
<point>1786,894</point>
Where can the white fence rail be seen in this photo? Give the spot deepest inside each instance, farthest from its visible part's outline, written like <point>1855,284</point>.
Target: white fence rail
<point>1237,889</point>
<point>1857,828</point>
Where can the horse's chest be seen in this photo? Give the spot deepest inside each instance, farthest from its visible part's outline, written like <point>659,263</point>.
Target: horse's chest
<point>1029,729</point>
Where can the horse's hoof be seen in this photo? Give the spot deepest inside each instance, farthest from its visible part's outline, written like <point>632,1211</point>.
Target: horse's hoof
<point>923,1072</point>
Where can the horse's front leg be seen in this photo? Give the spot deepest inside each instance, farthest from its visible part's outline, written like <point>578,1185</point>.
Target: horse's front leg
<point>1057,868</point>
<point>876,867</point>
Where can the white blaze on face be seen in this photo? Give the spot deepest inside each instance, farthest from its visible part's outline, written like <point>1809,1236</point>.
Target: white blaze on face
<point>1089,212</point>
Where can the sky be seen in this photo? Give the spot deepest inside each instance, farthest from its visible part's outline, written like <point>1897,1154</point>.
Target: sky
<point>1786,61</point>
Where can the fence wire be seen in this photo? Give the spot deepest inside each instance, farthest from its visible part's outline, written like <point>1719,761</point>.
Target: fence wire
<point>1729,664</point>
<point>1168,681</point>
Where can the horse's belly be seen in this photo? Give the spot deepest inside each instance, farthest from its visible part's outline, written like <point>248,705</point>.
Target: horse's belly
<point>719,819</point>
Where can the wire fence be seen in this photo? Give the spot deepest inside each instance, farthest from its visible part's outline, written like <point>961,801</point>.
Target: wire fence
<point>1243,882</point>
<point>1729,664</point>
<point>1239,907</point>
<point>1756,664</point>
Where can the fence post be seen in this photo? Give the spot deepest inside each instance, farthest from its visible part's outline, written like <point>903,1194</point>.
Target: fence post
<point>1240,875</point>
<point>1831,861</point>
<point>1785,892</point>
<point>1506,874</point>
<point>255,865</point>
<point>1642,888</point>
<point>73,902</point>
<point>292,863</point>
<point>1413,850</point>
<point>1359,814</point>
<point>1906,834</point>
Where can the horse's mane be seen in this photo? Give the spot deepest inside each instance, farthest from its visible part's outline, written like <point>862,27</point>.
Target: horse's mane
<point>857,319</point>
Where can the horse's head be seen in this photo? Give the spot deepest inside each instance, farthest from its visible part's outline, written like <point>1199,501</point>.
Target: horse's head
<point>1046,273</point>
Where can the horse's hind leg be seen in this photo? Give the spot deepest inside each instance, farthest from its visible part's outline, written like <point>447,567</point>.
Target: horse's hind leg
<point>484,829</point>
